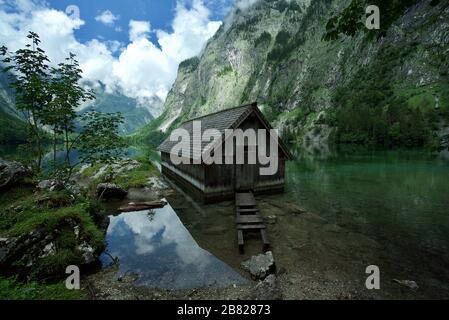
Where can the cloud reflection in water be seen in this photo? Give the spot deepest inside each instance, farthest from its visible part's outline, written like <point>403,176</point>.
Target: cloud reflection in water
<point>159,249</point>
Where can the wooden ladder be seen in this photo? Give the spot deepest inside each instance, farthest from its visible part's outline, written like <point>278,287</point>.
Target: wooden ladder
<point>248,218</point>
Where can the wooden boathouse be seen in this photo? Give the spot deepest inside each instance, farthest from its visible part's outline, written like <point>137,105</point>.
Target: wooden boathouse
<point>215,182</point>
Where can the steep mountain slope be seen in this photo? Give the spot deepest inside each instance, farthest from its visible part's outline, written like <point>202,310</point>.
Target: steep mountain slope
<point>12,127</point>
<point>386,90</point>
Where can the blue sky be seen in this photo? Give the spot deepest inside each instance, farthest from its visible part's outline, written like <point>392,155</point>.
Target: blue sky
<point>131,47</point>
<point>159,13</point>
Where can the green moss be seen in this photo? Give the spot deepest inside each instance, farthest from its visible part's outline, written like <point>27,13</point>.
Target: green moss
<point>11,289</point>
<point>21,213</point>
<point>137,178</point>
<point>91,170</point>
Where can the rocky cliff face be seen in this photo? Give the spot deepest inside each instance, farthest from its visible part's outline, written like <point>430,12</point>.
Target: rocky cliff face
<point>272,52</point>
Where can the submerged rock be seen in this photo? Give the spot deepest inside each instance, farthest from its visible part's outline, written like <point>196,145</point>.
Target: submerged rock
<point>156,183</point>
<point>110,191</point>
<point>271,219</point>
<point>260,266</point>
<point>407,283</point>
<point>12,172</point>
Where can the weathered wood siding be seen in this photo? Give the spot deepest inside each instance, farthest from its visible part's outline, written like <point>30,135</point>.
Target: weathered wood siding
<point>216,182</point>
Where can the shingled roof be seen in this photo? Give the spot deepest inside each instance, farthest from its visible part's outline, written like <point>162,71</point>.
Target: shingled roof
<point>221,120</point>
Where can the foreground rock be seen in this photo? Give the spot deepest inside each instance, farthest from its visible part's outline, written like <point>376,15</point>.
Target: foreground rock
<point>12,172</point>
<point>114,169</point>
<point>50,185</point>
<point>110,191</point>
<point>267,289</point>
<point>40,244</point>
<point>260,266</point>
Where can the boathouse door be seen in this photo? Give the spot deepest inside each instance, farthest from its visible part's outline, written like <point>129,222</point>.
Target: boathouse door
<point>245,175</point>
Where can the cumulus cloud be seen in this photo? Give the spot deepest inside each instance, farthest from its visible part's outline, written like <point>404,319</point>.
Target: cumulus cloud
<point>138,29</point>
<point>139,69</point>
<point>107,18</point>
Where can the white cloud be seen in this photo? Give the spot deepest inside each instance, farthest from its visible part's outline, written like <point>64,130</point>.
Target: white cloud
<point>138,29</point>
<point>139,69</point>
<point>242,5</point>
<point>191,29</point>
<point>107,18</point>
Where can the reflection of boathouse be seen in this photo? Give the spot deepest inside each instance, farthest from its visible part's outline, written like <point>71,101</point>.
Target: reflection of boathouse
<point>214,182</point>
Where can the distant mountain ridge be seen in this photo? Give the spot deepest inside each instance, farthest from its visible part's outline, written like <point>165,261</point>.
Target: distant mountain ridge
<point>136,114</point>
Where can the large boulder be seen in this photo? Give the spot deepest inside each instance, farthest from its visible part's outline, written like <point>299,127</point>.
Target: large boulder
<point>267,289</point>
<point>32,248</point>
<point>110,191</point>
<point>12,172</point>
<point>260,266</point>
<point>114,169</point>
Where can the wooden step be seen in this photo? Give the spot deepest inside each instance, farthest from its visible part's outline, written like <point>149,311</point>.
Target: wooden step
<point>245,199</point>
<point>249,219</point>
<point>247,210</point>
<point>251,226</point>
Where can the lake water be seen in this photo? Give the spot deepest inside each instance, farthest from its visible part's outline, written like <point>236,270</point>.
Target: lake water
<point>398,197</point>
<point>156,247</point>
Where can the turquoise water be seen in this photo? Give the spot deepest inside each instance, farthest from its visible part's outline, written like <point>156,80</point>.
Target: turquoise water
<point>399,198</point>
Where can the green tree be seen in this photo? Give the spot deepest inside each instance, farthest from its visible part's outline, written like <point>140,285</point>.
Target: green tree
<point>33,95</point>
<point>100,140</point>
<point>67,95</point>
<point>50,98</point>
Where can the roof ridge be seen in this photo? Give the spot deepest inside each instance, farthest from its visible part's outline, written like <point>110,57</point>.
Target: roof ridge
<point>217,112</point>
